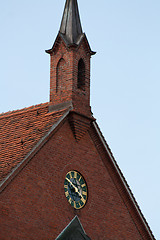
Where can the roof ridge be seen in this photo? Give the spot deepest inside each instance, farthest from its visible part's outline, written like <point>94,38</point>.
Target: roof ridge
<point>23,110</point>
<point>57,111</point>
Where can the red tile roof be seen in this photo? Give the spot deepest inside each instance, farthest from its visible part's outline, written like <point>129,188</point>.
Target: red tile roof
<point>20,131</point>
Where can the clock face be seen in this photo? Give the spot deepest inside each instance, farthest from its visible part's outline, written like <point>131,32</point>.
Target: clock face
<point>75,189</point>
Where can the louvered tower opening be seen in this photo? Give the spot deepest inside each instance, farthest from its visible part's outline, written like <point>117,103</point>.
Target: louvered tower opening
<point>81,74</point>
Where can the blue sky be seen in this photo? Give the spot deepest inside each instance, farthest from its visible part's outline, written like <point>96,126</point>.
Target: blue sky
<point>125,78</point>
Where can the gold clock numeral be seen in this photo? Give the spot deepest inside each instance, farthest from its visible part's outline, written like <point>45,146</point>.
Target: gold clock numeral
<point>75,174</point>
<point>70,200</point>
<point>84,193</point>
<point>83,200</point>
<point>65,186</point>
<point>67,194</point>
<point>70,175</point>
<point>83,185</point>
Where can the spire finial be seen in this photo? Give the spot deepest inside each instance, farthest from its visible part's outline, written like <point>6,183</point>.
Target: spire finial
<point>71,28</point>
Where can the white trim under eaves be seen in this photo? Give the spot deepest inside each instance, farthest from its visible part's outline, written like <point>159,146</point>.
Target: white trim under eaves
<point>29,156</point>
<point>122,178</point>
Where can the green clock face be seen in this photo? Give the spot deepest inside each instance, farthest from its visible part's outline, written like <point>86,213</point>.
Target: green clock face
<point>75,189</point>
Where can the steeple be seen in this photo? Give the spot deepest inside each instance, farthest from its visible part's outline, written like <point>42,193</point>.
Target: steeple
<point>71,28</point>
<point>70,63</point>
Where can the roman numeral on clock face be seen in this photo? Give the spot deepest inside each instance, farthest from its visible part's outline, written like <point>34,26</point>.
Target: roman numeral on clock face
<point>75,174</point>
<point>67,194</point>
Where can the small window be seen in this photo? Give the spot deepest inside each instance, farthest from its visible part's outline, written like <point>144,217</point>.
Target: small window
<point>81,74</point>
<point>60,74</point>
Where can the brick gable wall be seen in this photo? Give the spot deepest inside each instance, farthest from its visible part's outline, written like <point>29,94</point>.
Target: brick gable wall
<point>34,206</point>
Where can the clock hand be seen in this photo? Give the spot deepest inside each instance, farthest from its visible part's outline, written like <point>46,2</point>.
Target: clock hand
<point>76,189</point>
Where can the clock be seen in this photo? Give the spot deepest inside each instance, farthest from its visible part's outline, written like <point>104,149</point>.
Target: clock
<point>75,189</point>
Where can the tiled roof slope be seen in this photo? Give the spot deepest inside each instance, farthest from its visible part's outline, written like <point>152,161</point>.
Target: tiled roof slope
<point>20,131</point>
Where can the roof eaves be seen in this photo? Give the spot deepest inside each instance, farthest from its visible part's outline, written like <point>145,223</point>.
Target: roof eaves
<point>88,45</point>
<point>122,179</point>
<point>31,154</point>
<point>56,43</point>
<point>68,44</point>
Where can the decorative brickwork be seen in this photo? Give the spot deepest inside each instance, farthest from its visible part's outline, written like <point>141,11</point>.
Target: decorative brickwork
<point>79,124</point>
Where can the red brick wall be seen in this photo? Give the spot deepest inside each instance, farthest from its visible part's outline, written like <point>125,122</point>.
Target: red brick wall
<point>68,90</point>
<point>33,206</point>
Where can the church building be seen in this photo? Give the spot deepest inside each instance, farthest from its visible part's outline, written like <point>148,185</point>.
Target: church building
<point>58,177</point>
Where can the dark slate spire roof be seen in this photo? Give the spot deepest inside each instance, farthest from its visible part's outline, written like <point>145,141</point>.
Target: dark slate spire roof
<point>71,29</point>
<point>74,231</point>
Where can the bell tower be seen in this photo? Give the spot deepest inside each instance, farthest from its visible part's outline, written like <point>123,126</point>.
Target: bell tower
<point>70,63</point>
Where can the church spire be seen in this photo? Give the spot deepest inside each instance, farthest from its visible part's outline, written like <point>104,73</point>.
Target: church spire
<point>71,29</point>
<point>70,64</point>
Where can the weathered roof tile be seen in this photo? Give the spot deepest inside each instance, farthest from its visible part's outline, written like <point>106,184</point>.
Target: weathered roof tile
<point>20,131</point>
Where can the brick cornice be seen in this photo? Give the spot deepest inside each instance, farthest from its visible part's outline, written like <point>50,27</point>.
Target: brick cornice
<point>79,124</point>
